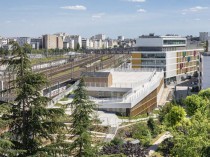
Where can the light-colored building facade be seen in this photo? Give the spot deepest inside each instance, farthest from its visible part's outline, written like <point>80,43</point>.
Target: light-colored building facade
<point>77,40</point>
<point>68,42</point>
<point>127,92</point>
<point>204,70</point>
<point>3,41</point>
<point>168,53</point>
<point>85,43</point>
<point>204,75</point>
<point>23,40</point>
<point>52,42</point>
<point>204,36</point>
<point>100,37</point>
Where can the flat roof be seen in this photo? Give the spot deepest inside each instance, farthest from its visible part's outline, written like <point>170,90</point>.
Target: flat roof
<point>129,77</point>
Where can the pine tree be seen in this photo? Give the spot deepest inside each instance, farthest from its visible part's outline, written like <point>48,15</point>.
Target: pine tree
<point>81,123</point>
<point>30,122</point>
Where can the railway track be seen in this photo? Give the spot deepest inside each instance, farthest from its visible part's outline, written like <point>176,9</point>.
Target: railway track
<point>113,61</point>
<point>75,75</point>
<point>50,72</point>
<point>71,65</point>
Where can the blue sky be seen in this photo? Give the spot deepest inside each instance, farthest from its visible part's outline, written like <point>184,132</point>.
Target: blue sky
<point>130,18</point>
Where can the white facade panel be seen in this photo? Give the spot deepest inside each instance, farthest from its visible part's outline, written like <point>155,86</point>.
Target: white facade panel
<point>149,42</point>
<point>205,72</point>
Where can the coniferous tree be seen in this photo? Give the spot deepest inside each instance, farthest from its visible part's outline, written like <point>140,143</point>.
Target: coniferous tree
<point>81,123</point>
<point>29,121</point>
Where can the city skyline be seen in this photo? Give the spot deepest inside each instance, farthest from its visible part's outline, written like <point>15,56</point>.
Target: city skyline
<point>129,18</point>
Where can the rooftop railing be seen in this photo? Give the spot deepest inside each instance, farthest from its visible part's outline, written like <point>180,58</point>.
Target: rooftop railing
<point>137,94</point>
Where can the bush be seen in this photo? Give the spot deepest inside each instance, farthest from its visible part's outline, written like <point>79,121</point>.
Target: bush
<point>142,133</point>
<point>117,141</point>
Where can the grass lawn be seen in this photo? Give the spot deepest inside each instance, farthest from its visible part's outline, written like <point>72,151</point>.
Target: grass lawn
<point>64,99</point>
<point>47,59</point>
<point>156,154</point>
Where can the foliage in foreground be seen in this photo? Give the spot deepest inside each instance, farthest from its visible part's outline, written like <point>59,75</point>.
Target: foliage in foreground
<point>191,133</point>
<point>81,123</point>
<point>26,123</point>
<point>127,149</point>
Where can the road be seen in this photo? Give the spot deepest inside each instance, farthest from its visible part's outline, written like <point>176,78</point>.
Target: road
<point>155,145</point>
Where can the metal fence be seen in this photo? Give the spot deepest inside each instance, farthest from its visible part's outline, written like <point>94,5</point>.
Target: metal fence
<point>63,94</point>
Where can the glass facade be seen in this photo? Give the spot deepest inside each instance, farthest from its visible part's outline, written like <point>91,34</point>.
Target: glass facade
<point>174,42</point>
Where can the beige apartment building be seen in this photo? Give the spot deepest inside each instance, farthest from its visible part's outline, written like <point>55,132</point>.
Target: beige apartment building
<point>52,42</point>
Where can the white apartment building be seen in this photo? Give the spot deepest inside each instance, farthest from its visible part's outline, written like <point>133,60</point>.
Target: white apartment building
<point>100,37</point>
<point>85,43</point>
<point>127,92</point>
<point>105,44</point>
<point>68,42</point>
<point>77,40</point>
<point>168,53</point>
<point>3,41</point>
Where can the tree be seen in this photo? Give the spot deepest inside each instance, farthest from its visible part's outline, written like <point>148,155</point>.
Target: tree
<point>81,123</point>
<point>30,122</point>
<point>193,103</point>
<point>164,110</point>
<point>175,115</point>
<point>166,147</point>
<point>142,133</point>
<point>205,94</point>
<point>78,47</point>
<point>152,126</point>
<point>194,141</point>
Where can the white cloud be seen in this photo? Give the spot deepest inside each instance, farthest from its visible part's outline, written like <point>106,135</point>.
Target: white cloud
<point>184,13</point>
<point>138,1</point>
<point>196,9</point>
<point>141,11</point>
<point>97,16</point>
<point>197,19</point>
<point>76,7</point>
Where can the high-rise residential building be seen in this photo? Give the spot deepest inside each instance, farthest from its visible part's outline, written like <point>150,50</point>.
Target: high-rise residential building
<point>36,43</point>
<point>85,43</point>
<point>23,40</point>
<point>68,42</point>
<point>204,36</point>
<point>62,35</point>
<point>77,40</point>
<point>100,37</point>
<point>91,44</point>
<point>52,42</point>
<point>121,38</point>
<point>105,44</point>
<point>168,53</point>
